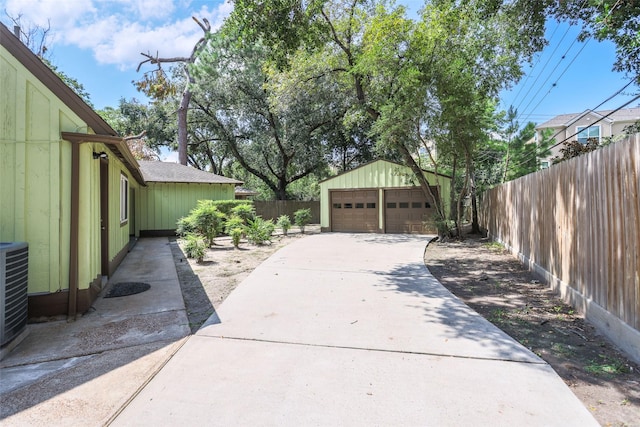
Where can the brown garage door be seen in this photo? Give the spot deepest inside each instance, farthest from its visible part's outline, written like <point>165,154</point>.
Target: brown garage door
<point>354,211</point>
<point>407,209</point>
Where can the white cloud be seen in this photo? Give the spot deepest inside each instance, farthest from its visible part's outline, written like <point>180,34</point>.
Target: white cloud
<point>60,14</point>
<point>117,31</point>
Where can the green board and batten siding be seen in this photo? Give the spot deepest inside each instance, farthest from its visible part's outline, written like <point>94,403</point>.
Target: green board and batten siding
<point>377,175</point>
<point>35,182</point>
<point>35,173</point>
<point>163,203</point>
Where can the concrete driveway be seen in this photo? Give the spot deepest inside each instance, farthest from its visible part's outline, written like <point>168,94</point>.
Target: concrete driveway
<point>351,329</point>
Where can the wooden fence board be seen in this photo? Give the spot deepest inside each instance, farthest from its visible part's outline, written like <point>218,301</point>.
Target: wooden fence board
<point>580,222</point>
<point>273,209</point>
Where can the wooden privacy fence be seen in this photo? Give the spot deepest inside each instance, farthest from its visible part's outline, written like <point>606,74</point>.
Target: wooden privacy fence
<point>273,209</point>
<point>578,225</point>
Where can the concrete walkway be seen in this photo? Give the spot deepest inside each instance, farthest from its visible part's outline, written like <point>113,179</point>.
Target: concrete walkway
<point>82,373</point>
<point>344,329</point>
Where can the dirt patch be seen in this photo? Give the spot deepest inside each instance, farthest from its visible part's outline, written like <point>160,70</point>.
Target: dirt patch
<point>205,285</point>
<point>496,285</point>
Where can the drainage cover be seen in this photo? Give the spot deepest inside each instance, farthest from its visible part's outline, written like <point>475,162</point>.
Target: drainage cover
<point>126,288</point>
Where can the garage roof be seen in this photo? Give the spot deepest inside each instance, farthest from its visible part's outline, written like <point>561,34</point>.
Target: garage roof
<point>381,160</point>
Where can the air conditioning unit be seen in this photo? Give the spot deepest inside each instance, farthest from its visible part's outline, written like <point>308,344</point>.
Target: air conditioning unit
<point>14,267</point>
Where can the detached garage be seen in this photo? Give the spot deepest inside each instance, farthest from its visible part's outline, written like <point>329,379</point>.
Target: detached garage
<point>379,197</point>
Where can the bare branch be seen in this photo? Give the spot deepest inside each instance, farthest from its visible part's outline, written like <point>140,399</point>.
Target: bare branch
<point>139,136</point>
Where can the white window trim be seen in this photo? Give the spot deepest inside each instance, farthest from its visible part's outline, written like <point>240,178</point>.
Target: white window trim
<point>124,198</point>
<point>581,128</point>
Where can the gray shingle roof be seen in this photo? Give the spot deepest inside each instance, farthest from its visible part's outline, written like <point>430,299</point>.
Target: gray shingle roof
<point>624,115</point>
<point>174,172</point>
<point>245,191</point>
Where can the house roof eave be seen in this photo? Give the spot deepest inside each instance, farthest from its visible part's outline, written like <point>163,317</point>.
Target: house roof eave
<point>116,144</point>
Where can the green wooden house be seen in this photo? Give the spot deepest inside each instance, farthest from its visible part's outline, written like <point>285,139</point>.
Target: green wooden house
<point>70,187</point>
<point>172,191</point>
<point>380,197</point>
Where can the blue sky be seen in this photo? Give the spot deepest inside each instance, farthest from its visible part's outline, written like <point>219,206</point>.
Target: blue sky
<point>99,42</point>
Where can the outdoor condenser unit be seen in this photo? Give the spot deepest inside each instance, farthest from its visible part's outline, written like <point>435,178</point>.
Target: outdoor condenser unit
<point>14,266</point>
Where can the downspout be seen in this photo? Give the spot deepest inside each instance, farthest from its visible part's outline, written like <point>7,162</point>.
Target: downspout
<point>75,231</point>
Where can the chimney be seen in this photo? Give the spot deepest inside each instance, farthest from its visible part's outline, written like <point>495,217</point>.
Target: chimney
<point>16,31</point>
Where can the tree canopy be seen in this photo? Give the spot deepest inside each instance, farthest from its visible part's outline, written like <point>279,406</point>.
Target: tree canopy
<point>289,90</point>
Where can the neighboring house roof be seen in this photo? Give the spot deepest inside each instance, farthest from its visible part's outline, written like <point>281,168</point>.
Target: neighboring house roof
<point>241,191</point>
<point>565,120</point>
<point>174,172</point>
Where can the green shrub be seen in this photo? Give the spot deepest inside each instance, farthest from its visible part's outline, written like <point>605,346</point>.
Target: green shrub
<point>232,223</point>
<point>195,247</point>
<point>445,227</point>
<point>185,225</point>
<point>259,231</point>
<point>225,206</point>
<point>284,222</point>
<point>236,235</point>
<point>302,217</point>
<point>207,219</point>
<point>245,211</point>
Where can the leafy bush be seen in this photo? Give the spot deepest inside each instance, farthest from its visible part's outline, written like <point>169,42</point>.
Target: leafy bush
<point>195,247</point>
<point>259,231</point>
<point>225,206</point>
<point>445,227</point>
<point>232,223</point>
<point>284,222</point>
<point>245,211</point>
<point>185,225</point>
<point>236,235</point>
<point>207,219</point>
<point>302,217</point>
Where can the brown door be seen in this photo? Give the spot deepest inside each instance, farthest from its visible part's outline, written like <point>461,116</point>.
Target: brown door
<point>407,210</point>
<point>354,211</point>
<point>104,217</point>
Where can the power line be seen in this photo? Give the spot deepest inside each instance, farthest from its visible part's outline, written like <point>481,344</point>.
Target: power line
<point>562,58</point>
<point>582,115</point>
<point>524,84</point>
<point>597,121</point>
<point>555,84</point>
<point>543,68</point>
<point>548,60</point>
<point>553,71</point>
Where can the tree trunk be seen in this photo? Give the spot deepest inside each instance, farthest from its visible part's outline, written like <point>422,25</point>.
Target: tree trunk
<point>453,214</point>
<point>506,163</point>
<point>475,225</point>
<point>424,184</point>
<point>182,126</point>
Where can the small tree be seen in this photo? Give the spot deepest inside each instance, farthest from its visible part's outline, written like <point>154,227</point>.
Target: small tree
<point>302,217</point>
<point>245,211</point>
<point>236,235</point>
<point>259,231</point>
<point>185,226</point>
<point>207,219</point>
<point>195,247</point>
<point>284,222</point>
<point>232,223</point>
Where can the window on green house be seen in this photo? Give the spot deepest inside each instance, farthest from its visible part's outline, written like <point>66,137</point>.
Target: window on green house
<point>124,198</point>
